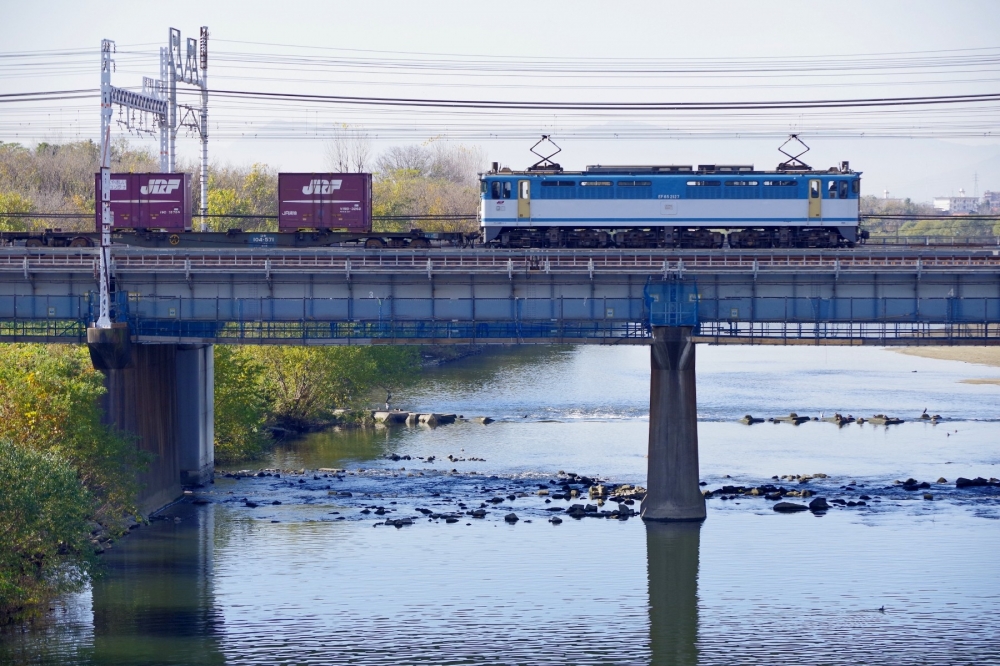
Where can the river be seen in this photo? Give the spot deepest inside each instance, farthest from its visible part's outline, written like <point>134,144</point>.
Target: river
<point>299,569</point>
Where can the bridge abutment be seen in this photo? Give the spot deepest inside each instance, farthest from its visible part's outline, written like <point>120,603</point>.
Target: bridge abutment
<point>672,491</point>
<point>162,394</point>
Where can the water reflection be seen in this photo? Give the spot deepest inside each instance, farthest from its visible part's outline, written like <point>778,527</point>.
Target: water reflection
<point>156,604</point>
<point>333,448</point>
<point>672,561</point>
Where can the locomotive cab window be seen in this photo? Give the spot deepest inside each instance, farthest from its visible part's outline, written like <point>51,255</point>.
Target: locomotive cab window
<point>814,189</point>
<point>832,190</point>
<point>500,190</point>
<point>524,189</point>
<point>843,189</point>
<point>856,186</point>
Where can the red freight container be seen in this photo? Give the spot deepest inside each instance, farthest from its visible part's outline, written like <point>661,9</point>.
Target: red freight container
<point>147,201</point>
<point>334,201</point>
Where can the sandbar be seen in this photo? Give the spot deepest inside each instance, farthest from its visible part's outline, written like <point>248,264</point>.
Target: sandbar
<point>979,355</point>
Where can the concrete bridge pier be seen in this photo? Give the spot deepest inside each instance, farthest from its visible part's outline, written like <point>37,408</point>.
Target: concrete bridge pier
<point>195,368</point>
<point>672,491</point>
<point>163,394</point>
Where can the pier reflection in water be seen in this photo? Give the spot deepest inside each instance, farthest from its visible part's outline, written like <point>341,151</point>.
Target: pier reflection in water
<point>672,558</point>
<point>155,604</point>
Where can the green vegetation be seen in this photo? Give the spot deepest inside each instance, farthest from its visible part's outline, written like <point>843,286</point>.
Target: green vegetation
<point>242,191</point>
<point>296,388</point>
<point>957,225</point>
<point>61,471</point>
<point>44,540</point>
<point>12,206</point>
<point>58,179</point>
<point>242,405</point>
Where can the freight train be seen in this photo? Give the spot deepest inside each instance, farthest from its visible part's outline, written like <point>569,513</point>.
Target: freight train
<point>708,206</point>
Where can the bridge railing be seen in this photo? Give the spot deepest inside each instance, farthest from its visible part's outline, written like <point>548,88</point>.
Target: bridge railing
<point>441,261</point>
<point>886,333</point>
<point>66,317</point>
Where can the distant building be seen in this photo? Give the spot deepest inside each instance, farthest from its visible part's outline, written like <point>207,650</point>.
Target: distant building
<point>960,205</point>
<point>992,199</point>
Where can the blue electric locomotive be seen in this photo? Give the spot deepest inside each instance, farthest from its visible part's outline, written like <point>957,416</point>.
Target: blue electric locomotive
<point>671,206</point>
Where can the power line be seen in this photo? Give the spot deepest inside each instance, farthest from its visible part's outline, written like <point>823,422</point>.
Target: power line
<point>555,106</point>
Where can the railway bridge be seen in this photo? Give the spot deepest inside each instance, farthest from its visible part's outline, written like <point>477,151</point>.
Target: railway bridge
<point>171,306</point>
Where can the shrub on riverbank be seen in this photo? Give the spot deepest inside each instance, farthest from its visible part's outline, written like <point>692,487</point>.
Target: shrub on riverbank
<point>242,405</point>
<point>61,469</point>
<point>297,388</point>
<point>49,401</point>
<point>44,539</point>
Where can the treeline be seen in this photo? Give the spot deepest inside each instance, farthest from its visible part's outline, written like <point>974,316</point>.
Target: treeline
<point>431,179</point>
<point>932,225</point>
<point>57,178</point>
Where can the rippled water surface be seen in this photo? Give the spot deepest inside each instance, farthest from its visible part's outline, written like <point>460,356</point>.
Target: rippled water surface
<point>316,580</point>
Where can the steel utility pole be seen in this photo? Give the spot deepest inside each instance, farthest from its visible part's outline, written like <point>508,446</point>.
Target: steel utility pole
<point>203,61</point>
<point>190,68</point>
<point>140,107</point>
<point>104,317</point>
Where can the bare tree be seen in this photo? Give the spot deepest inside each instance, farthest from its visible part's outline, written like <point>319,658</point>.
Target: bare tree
<point>411,158</point>
<point>350,150</point>
<point>458,164</point>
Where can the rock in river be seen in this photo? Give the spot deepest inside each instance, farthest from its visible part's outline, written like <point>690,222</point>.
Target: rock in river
<point>511,517</point>
<point>817,505</point>
<point>962,482</point>
<point>789,507</point>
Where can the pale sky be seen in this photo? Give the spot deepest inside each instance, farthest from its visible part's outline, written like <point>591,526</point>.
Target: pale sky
<point>581,51</point>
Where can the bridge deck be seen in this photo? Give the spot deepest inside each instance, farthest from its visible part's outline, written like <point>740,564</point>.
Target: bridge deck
<point>870,295</point>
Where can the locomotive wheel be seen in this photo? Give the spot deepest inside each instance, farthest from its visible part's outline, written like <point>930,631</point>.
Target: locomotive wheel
<point>33,242</point>
<point>374,244</point>
<point>420,243</point>
<point>80,241</point>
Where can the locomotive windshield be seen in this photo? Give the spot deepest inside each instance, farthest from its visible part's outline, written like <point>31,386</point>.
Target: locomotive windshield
<point>500,190</point>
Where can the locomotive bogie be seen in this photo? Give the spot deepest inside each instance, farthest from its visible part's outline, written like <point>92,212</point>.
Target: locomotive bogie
<point>788,237</point>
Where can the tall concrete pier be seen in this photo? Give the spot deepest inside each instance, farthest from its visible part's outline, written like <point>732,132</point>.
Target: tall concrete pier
<point>195,377</point>
<point>163,395</point>
<point>672,480</point>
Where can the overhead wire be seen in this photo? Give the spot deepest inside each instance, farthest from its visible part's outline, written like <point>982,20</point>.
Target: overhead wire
<point>271,114</point>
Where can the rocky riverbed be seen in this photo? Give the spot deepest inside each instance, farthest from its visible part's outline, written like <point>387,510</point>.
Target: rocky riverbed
<point>402,497</point>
